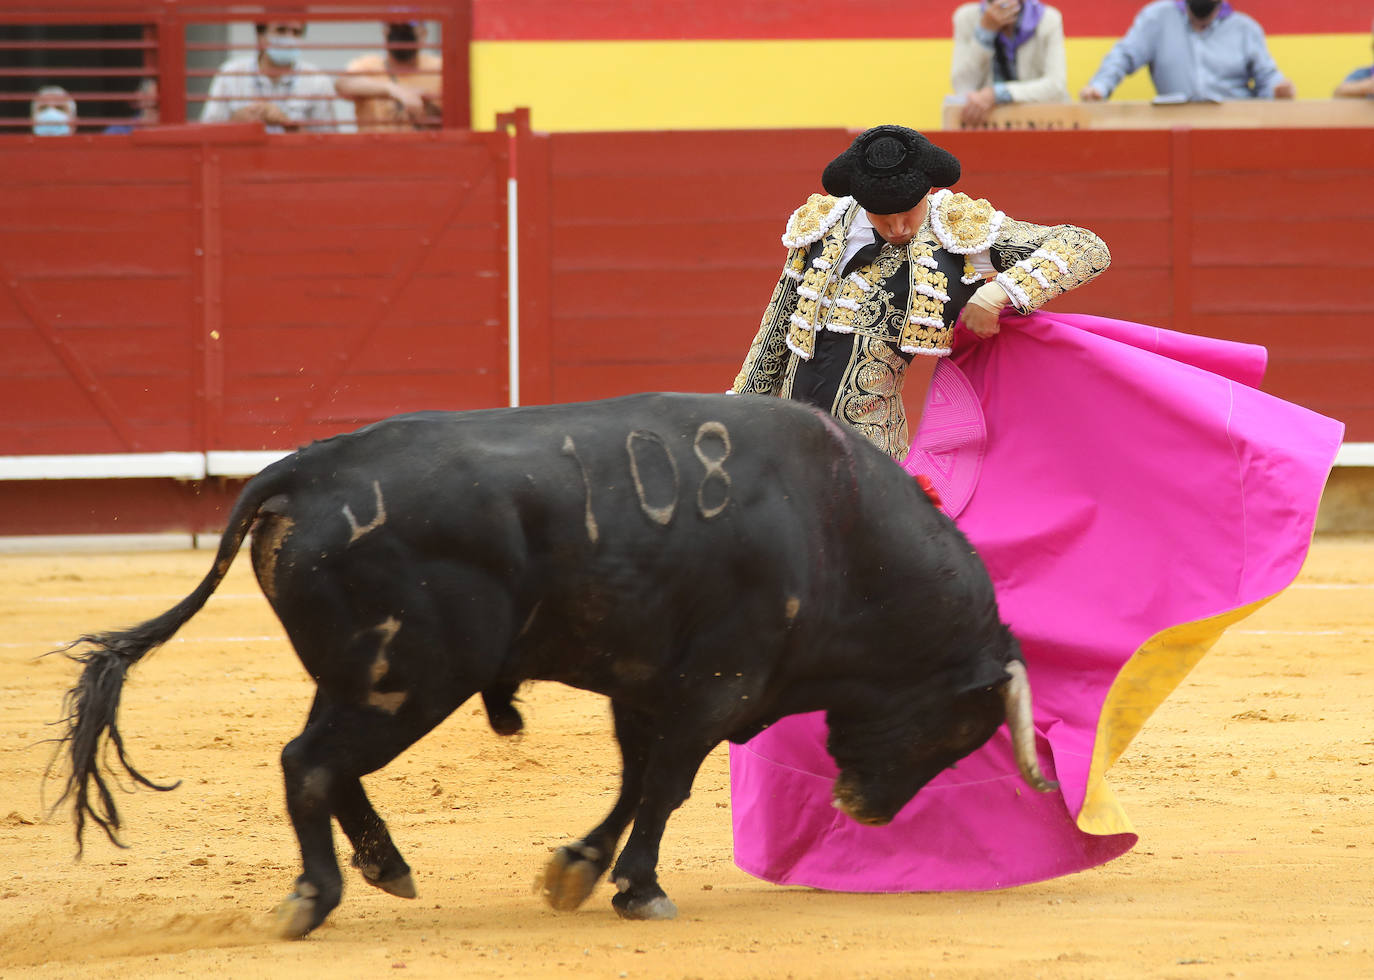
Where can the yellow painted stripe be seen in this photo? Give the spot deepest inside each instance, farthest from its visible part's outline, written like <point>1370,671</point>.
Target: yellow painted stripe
<point>629,85</point>
<point>1144,682</point>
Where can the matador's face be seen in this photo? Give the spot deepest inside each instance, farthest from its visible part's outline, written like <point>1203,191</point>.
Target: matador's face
<point>898,229</point>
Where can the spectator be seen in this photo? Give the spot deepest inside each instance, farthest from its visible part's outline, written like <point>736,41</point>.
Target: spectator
<point>1359,84</point>
<point>52,112</point>
<point>1007,51</point>
<point>273,86</point>
<point>1198,51</point>
<point>145,106</point>
<point>399,90</point>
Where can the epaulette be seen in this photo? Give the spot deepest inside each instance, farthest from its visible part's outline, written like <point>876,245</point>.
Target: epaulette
<point>814,218</point>
<point>964,225</point>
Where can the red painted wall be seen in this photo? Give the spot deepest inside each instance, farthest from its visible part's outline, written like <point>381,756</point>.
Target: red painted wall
<point>665,246</point>
<point>162,293</point>
<point>254,292</point>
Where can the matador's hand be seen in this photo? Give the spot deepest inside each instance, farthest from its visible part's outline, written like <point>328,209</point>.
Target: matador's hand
<point>981,321</point>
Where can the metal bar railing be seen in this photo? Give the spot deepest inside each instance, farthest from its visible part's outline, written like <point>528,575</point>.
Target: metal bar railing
<point>174,50</point>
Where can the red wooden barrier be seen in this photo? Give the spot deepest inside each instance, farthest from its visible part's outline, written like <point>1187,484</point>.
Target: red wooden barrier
<point>666,245</point>
<point>244,295</point>
<point>205,289</point>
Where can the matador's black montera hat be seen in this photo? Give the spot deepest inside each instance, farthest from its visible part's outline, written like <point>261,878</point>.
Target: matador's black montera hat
<point>888,169</point>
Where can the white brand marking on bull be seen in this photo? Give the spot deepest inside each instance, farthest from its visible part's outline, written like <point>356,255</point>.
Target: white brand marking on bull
<point>388,701</point>
<point>714,466</point>
<point>659,515</point>
<point>570,449</point>
<point>360,529</point>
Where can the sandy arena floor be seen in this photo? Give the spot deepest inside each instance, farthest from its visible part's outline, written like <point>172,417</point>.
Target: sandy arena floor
<point>1252,789</point>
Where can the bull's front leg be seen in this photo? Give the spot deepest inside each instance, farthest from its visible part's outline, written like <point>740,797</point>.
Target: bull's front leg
<point>575,868</point>
<point>668,777</point>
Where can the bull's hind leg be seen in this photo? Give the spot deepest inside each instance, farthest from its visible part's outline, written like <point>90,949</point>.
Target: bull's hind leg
<point>575,868</point>
<point>321,767</point>
<point>374,853</point>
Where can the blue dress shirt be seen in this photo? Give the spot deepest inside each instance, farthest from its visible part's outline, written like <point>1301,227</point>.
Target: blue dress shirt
<point>1226,60</point>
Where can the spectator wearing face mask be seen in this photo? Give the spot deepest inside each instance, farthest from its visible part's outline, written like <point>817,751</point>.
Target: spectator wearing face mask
<point>1197,51</point>
<point>275,86</point>
<point>52,112</point>
<point>398,90</point>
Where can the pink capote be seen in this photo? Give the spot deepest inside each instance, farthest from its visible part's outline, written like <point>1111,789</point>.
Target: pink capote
<point>1117,480</point>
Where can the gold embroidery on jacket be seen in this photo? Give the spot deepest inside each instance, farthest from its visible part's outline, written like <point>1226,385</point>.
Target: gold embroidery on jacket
<point>816,292</point>
<point>762,370</point>
<point>814,218</point>
<point>869,397</point>
<point>964,225</point>
<point>924,330</point>
<point>1039,262</point>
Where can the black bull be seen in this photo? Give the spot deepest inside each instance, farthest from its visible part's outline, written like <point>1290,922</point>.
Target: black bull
<point>709,563</point>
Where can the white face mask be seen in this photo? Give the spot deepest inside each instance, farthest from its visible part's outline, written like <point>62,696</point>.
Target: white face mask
<point>51,121</point>
<point>283,53</point>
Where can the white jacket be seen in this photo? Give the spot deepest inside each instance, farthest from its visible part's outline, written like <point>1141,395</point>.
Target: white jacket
<point>1041,69</point>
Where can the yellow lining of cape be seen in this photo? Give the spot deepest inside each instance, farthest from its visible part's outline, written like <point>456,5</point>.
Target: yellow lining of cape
<point>1143,683</point>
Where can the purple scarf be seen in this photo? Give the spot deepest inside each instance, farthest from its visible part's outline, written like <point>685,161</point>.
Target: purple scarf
<point>1026,23</point>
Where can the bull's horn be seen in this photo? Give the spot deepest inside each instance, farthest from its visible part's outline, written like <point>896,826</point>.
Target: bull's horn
<point>1016,696</point>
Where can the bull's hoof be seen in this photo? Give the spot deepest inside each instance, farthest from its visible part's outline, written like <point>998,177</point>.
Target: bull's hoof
<point>506,721</point>
<point>657,907</point>
<point>297,914</point>
<point>401,885</point>
<point>570,876</point>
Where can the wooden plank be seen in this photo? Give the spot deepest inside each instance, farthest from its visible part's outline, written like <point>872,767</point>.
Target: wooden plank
<point>421,347</point>
<point>1284,195</point>
<point>1300,151</point>
<point>1333,386</point>
<point>129,350</point>
<point>1340,335</point>
<point>1283,239</point>
<point>736,153</point>
<point>1307,289</point>
<point>343,303</point>
<point>109,304</point>
<point>1067,118</point>
<point>625,339</point>
<point>160,249</point>
<point>92,163</point>
<point>453,257</point>
<point>480,214</point>
<point>450,155</point>
<point>583,382</point>
<point>1037,155</point>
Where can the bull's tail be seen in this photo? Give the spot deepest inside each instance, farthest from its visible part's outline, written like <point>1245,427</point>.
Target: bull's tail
<point>91,707</point>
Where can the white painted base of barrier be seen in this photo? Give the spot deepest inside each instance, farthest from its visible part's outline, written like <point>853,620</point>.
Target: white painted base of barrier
<point>243,464</point>
<point>118,466</point>
<point>23,544</point>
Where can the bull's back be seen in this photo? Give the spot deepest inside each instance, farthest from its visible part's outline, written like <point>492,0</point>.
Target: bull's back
<point>609,522</point>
